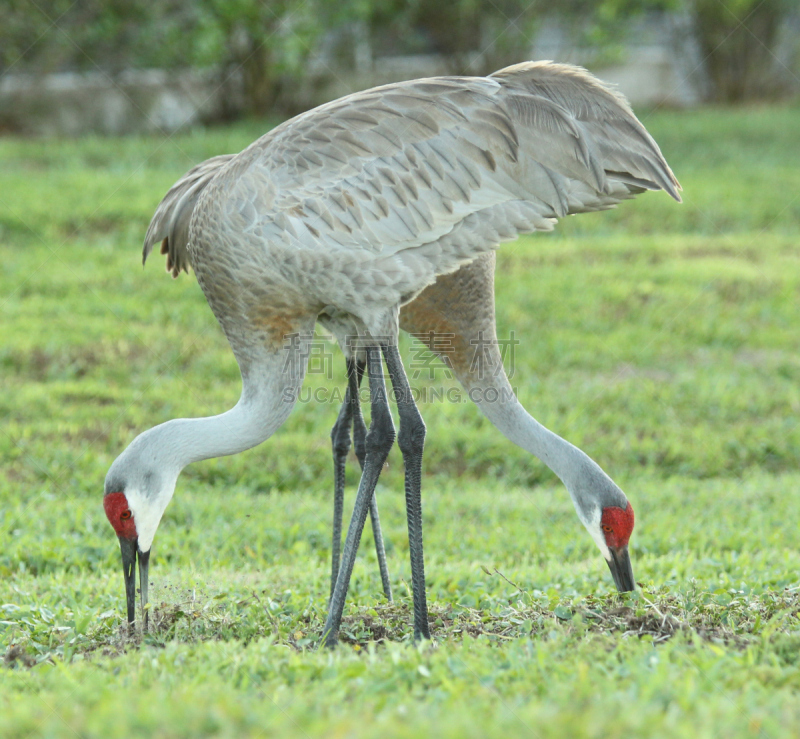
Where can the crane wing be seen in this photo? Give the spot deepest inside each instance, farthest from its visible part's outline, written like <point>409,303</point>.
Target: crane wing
<point>627,151</point>
<point>170,222</point>
<point>437,160</point>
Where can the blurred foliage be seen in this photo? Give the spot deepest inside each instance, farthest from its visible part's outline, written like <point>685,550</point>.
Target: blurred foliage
<point>112,35</point>
<point>471,35</point>
<point>262,49</point>
<point>737,41</point>
<point>597,23</point>
<point>268,42</point>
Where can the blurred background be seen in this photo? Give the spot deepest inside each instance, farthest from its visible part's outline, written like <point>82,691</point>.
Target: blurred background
<point>124,66</point>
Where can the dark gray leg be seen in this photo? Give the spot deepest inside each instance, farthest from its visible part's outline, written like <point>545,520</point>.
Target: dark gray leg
<point>359,427</point>
<point>360,441</point>
<point>340,437</point>
<point>411,441</point>
<point>378,443</point>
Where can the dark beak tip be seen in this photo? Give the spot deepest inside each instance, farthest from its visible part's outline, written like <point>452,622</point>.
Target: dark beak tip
<point>621,570</point>
<point>129,550</point>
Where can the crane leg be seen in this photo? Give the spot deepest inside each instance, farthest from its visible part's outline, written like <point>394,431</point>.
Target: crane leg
<point>378,442</point>
<point>411,441</point>
<point>360,441</point>
<point>340,438</point>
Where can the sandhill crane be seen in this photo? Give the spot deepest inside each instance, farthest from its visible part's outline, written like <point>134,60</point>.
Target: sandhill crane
<point>343,215</point>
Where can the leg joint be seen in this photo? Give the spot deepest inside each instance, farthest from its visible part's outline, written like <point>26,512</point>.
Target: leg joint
<point>341,444</point>
<point>340,437</point>
<point>359,438</point>
<point>381,436</point>
<point>411,439</point>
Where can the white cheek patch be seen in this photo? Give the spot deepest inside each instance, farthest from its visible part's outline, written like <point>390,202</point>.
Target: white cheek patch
<point>147,514</point>
<point>592,525</point>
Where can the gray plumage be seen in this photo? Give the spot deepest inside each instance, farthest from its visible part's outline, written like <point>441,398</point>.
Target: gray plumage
<point>393,186</point>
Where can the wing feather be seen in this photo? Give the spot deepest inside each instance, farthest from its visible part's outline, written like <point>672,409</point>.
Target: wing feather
<point>440,169</point>
<point>603,113</point>
<point>170,222</point>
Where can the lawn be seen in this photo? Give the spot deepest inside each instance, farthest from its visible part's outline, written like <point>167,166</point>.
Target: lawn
<point>662,339</point>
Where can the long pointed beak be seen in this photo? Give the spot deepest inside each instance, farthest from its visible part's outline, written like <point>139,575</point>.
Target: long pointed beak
<point>130,550</point>
<point>144,568</point>
<point>621,569</point>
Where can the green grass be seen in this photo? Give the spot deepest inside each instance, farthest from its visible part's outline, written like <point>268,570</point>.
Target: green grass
<point>662,339</point>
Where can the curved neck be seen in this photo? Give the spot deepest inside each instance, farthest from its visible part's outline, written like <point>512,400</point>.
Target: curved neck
<point>501,406</point>
<point>251,421</point>
<point>270,385</point>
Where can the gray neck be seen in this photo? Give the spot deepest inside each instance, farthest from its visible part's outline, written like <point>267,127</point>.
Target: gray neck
<point>517,425</point>
<point>269,391</point>
<point>588,485</point>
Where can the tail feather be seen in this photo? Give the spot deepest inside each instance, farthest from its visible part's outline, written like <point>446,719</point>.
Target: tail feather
<point>170,222</point>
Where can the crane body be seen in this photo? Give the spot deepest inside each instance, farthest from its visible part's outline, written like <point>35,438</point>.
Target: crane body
<point>347,213</point>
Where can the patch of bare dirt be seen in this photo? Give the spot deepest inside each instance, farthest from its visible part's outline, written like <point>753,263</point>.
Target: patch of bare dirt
<point>16,656</point>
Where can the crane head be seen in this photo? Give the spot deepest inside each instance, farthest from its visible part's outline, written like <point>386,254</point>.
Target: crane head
<point>123,521</point>
<point>134,500</point>
<point>616,525</point>
<point>607,514</point>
